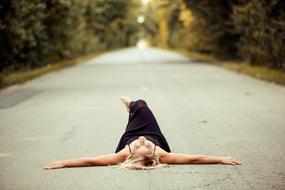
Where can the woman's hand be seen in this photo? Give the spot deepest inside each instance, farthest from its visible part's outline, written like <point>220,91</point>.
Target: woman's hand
<point>229,160</point>
<point>54,165</point>
<point>103,160</point>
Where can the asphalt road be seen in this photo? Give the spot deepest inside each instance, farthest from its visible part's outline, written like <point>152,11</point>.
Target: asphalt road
<point>201,109</point>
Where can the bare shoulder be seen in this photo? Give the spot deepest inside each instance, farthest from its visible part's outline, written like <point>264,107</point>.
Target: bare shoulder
<point>162,154</point>
<point>159,151</point>
<point>171,158</point>
<point>123,154</point>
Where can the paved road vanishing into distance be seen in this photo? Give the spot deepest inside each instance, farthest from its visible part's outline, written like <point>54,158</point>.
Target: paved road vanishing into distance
<point>201,109</point>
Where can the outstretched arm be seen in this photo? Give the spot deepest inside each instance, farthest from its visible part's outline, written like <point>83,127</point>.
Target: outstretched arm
<point>103,160</point>
<point>174,158</point>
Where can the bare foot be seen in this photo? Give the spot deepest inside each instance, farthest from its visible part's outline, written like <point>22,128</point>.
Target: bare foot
<point>126,100</point>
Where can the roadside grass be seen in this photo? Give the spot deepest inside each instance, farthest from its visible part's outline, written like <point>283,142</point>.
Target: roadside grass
<point>19,77</point>
<point>263,73</point>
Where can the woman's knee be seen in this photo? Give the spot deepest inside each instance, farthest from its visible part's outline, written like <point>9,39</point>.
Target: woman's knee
<point>134,105</point>
<point>141,103</point>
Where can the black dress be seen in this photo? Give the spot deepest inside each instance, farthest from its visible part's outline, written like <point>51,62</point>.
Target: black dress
<point>142,123</point>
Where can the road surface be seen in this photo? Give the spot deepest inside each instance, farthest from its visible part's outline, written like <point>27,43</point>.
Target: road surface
<point>201,109</point>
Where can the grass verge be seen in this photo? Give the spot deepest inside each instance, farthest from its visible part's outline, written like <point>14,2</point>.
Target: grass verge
<point>19,77</point>
<point>263,73</point>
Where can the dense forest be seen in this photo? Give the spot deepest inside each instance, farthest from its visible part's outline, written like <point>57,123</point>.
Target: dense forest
<point>248,30</point>
<point>34,33</point>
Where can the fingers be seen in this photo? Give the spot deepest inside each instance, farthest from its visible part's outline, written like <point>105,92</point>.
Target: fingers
<point>53,165</point>
<point>48,167</point>
<point>235,162</point>
<point>231,161</point>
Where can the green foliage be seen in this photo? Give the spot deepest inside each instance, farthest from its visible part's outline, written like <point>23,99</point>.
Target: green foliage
<point>261,26</point>
<point>23,36</point>
<point>36,32</point>
<point>210,31</point>
<point>212,27</point>
<point>251,30</point>
<point>110,19</point>
<point>150,26</point>
<point>66,27</point>
<point>161,22</point>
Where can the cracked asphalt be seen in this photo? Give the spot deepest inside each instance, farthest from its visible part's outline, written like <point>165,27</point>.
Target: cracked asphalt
<point>201,109</point>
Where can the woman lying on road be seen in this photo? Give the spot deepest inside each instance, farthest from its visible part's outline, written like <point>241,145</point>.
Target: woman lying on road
<point>142,146</point>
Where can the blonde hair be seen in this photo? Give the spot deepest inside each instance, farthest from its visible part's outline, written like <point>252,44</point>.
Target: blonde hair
<point>142,163</point>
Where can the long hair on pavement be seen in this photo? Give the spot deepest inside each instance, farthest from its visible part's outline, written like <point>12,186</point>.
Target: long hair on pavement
<point>142,162</point>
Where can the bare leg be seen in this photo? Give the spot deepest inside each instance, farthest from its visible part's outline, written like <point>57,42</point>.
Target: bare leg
<point>126,100</point>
